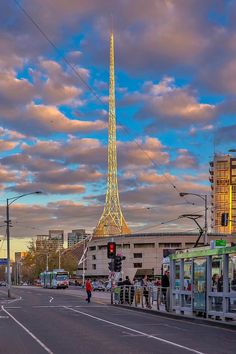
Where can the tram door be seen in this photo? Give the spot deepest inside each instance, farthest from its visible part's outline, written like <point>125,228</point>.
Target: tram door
<point>199,281</point>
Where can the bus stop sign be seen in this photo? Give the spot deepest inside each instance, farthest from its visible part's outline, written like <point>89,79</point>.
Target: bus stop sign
<point>3,261</point>
<point>220,243</point>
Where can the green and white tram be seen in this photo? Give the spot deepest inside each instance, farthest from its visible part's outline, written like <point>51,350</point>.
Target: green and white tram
<point>58,278</point>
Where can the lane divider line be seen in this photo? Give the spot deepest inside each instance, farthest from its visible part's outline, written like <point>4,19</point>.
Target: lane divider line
<point>28,331</point>
<point>11,301</point>
<point>136,331</point>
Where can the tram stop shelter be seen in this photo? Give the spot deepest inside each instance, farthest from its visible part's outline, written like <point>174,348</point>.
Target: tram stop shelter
<point>203,281</point>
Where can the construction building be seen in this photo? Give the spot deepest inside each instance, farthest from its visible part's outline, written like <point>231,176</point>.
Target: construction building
<point>223,196</point>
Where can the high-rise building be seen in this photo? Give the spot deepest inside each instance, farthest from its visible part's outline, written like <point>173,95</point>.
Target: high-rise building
<point>42,243</point>
<point>50,243</point>
<point>223,185</point>
<point>112,221</point>
<point>57,236</point>
<point>76,236</point>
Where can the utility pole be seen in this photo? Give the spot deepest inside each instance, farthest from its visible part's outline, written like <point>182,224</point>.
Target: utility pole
<point>59,258</point>
<point>47,261</point>
<point>8,250</point>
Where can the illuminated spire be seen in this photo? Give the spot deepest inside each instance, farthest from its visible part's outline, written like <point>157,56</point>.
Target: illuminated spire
<point>112,221</point>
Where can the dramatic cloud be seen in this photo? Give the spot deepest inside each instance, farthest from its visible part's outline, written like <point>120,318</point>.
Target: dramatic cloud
<point>175,74</point>
<point>169,105</point>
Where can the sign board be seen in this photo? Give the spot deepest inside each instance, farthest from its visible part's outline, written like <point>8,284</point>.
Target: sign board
<point>3,261</point>
<point>220,243</point>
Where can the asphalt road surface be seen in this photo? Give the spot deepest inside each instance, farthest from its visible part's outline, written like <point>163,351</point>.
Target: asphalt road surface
<point>43,321</point>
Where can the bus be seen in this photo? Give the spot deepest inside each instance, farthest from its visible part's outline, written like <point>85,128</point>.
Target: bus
<point>57,279</point>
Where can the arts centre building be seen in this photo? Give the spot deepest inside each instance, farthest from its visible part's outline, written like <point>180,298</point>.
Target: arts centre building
<point>144,252</point>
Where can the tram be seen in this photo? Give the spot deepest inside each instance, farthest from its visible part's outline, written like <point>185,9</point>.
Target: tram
<point>57,279</point>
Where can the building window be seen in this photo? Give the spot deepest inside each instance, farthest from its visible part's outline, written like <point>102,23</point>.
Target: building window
<point>93,257</point>
<point>138,265</point>
<point>138,255</point>
<point>103,247</point>
<point>144,245</point>
<point>170,245</point>
<point>126,245</point>
<point>94,266</point>
<point>92,248</point>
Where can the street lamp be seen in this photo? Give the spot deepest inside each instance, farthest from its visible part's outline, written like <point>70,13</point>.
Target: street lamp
<point>8,221</point>
<point>203,197</point>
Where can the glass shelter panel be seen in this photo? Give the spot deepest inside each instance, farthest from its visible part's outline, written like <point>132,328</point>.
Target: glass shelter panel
<point>199,279</point>
<point>177,275</point>
<point>187,283</point>
<point>232,282</point>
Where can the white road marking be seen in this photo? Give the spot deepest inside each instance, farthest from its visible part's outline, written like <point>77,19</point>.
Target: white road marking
<point>62,306</point>
<point>11,301</point>
<point>51,299</point>
<point>49,306</point>
<point>4,316</point>
<point>135,331</point>
<point>28,332</point>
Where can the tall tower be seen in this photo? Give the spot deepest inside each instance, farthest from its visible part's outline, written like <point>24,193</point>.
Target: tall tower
<point>112,221</point>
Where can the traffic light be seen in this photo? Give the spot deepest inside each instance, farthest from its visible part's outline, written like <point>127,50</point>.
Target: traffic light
<point>111,266</point>
<point>118,264</point>
<point>111,250</point>
<point>224,219</point>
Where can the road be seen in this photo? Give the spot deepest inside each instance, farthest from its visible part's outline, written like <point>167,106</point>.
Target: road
<point>43,321</point>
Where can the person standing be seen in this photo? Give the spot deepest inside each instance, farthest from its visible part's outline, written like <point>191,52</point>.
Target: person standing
<point>127,284</point>
<point>144,284</point>
<point>88,287</point>
<point>165,284</point>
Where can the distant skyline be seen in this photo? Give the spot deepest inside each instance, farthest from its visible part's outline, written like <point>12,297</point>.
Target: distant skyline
<point>175,68</point>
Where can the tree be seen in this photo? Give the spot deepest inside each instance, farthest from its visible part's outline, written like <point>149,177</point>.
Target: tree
<point>35,262</point>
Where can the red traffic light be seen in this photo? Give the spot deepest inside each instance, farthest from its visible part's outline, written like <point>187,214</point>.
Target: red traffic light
<point>111,250</point>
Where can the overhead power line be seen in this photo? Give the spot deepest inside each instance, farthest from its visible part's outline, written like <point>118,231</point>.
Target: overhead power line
<point>90,88</point>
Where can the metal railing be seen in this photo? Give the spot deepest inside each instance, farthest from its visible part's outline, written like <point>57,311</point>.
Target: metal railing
<point>150,297</point>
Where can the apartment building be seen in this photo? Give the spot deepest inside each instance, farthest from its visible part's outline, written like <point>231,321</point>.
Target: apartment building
<point>223,196</point>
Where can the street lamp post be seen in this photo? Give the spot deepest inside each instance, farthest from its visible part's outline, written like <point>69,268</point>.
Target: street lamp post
<point>203,197</point>
<point>8,222</point>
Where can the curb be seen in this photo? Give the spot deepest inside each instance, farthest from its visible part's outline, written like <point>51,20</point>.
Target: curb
<point>177,317</point>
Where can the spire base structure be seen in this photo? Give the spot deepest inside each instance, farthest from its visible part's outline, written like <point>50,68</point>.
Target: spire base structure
<point>112,221</point>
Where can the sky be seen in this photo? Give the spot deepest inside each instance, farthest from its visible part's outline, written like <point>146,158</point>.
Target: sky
<point>175,71</point>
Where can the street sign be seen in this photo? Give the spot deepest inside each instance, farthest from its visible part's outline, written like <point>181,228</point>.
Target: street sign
<point>220,243</point>
<point>3,261</point>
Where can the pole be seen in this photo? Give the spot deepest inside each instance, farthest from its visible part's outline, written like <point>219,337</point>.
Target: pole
<point>8,251</point>
<point>59,254</point>
<point>59,258</point>
<point>83,275</point>
<point>206,226</point>
<point>47,262</point>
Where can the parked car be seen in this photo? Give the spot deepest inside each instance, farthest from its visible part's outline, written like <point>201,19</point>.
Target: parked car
<point>98,286</point>
<point>3,283</point>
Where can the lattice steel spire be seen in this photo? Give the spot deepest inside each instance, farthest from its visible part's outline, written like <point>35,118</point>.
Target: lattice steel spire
<point>112,221</point>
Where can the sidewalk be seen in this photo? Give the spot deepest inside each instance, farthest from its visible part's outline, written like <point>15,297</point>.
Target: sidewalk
<point>189,318</point>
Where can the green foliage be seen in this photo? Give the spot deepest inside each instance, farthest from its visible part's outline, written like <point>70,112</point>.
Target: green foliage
<point>35,262</point>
